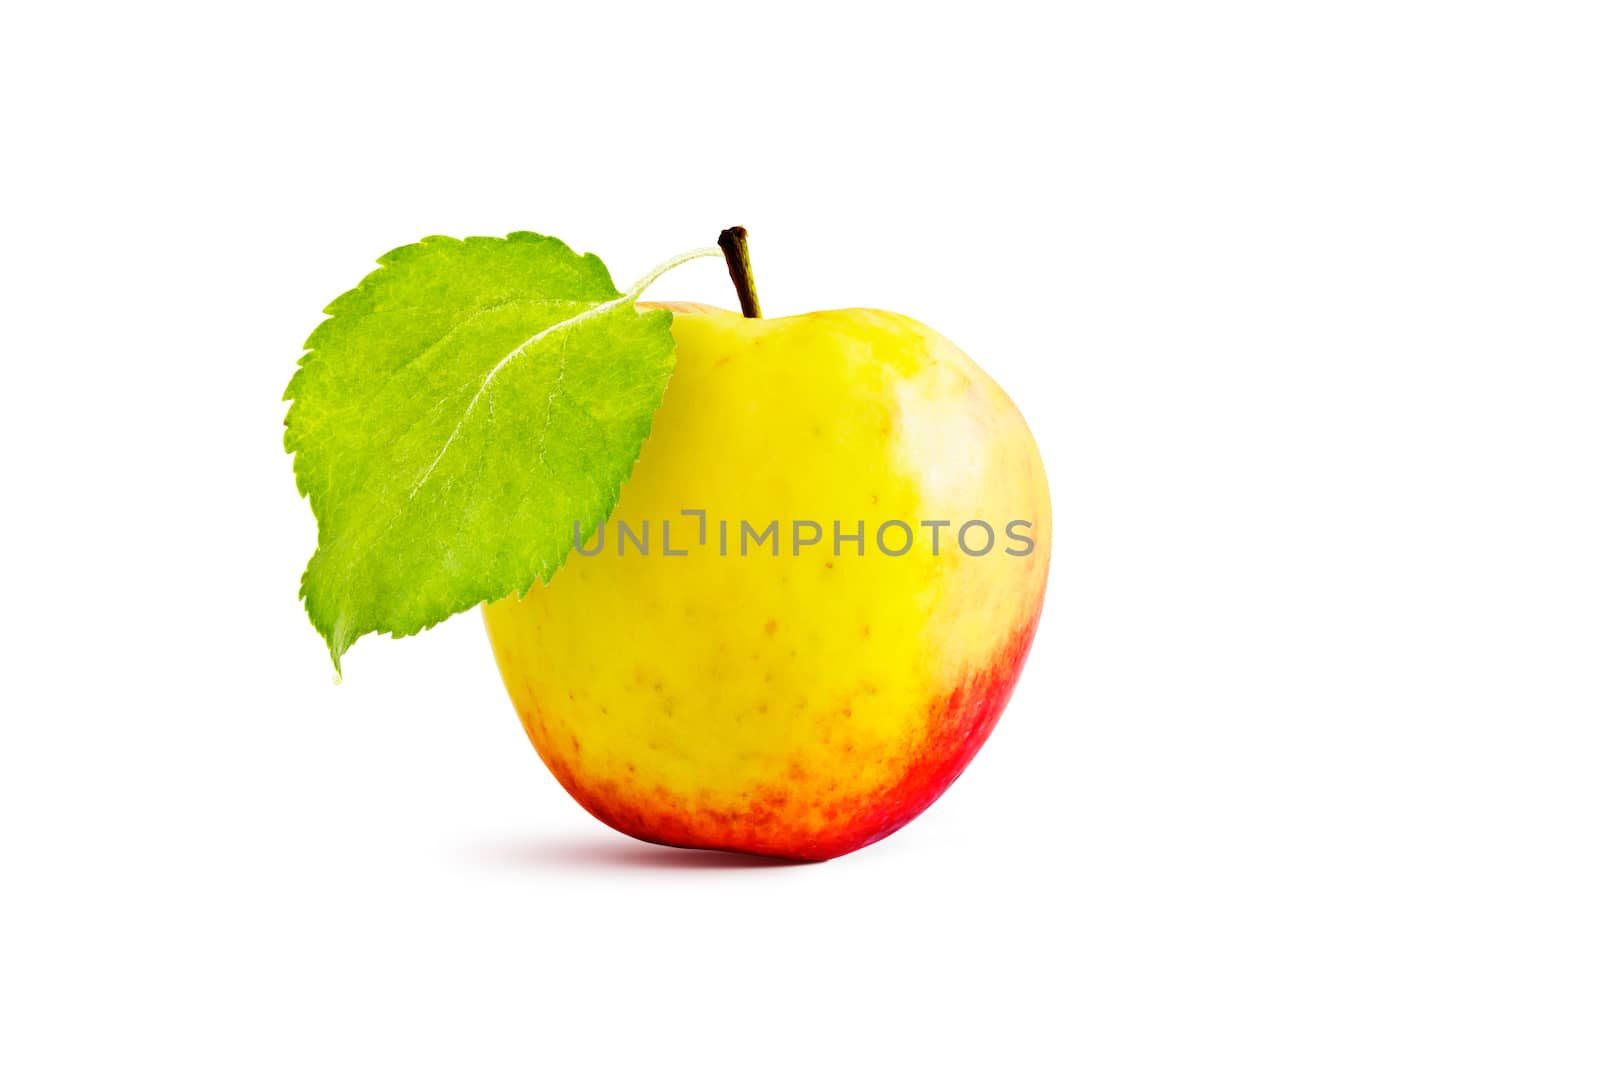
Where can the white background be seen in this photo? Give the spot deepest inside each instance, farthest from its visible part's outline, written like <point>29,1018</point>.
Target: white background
<point>1300,300</point>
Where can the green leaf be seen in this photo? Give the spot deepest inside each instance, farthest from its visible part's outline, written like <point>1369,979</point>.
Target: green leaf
<point>458,412</point>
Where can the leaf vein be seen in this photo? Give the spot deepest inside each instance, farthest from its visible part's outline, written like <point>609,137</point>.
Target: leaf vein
<point>488,380</point>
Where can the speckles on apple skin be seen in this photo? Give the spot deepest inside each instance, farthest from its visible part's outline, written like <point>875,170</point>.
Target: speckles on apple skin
<point>813,814</point>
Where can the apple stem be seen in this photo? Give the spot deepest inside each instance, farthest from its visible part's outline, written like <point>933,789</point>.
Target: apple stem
<point>735,245</point>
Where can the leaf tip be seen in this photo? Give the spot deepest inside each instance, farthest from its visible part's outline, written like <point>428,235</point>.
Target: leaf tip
<point>339,642</point>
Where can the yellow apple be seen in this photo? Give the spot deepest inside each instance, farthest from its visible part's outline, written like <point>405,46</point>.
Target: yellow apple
<point>806,693</point>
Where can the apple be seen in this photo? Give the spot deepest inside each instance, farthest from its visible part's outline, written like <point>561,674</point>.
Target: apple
<point>805,693</point>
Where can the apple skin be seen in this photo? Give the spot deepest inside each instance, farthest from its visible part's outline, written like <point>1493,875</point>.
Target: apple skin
<point>808,704</point>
